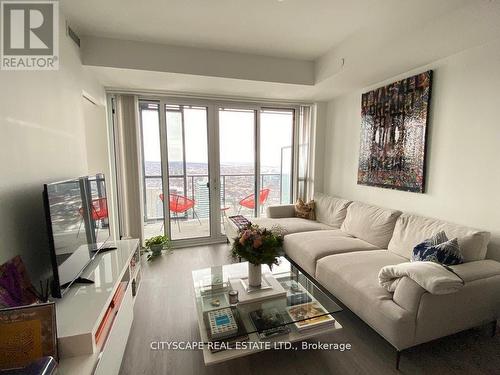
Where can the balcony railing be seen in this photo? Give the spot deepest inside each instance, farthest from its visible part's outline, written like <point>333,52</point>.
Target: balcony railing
<point>234,187</point>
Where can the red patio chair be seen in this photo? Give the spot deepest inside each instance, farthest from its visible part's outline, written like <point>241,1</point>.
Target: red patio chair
<point>99,211</point>
<point>179,204</point>
<point>249,201</point>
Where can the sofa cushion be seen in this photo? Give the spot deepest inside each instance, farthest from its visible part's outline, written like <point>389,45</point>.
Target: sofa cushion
<point>353,279</point>
<point>370,223</point>
<point>481,269</point>
<point>290,224</point>
<point>330,210</point>
<point>411,230</point>
<point>306,248</point>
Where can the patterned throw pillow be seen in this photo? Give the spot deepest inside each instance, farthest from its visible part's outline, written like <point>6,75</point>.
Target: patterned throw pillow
<point>305,210</point>
<point>438,249</point>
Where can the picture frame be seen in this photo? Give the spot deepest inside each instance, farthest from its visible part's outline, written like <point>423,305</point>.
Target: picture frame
<point>27,333</point>
<point>394,128</point>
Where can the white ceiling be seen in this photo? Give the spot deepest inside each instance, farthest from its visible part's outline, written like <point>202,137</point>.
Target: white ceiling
<point>354,43</point>
<point>299,29</point>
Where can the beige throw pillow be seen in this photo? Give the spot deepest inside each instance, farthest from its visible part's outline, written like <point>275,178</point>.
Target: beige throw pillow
<point>305,210</point>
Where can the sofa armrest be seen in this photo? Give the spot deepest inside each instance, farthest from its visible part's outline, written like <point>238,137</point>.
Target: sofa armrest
<point>281,211</point>
<point>408,294</point>
<point>477,303</point>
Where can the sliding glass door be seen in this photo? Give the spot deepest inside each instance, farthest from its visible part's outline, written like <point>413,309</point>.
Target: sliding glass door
<point>149,113</point>
<point>204,161</point>
<point>175,170</point>
<point>237,161</point>
<point>276,156</point>
<point>256,159</point>
<point>188,172</point>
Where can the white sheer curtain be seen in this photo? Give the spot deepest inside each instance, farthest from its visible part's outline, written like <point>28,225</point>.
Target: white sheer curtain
<point>305,171</point>
<point>128,166</point>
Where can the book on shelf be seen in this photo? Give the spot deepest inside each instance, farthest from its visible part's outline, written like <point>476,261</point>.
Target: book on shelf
<point>224,326</point>
<point>296,294</point>
<point>269,323</point>
<point>309,315</point>
<point>222,323</point>
<point>298,298</point>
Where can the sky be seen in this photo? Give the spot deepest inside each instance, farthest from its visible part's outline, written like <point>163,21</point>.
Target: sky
<point>236,136</point>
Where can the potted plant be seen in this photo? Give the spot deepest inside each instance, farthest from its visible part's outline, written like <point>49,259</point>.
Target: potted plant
<point>155,245</point>
<point>258,246</point>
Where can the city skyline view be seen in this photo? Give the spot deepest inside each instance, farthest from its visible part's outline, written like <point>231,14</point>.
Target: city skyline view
<point>237,181</point>
<point>243,137</point>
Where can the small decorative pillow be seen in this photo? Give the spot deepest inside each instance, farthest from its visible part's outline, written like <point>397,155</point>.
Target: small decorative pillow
<point>438,249</point>
<point>305,210</point>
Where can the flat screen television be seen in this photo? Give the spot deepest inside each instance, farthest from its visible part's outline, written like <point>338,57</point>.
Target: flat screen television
<point>78,227</point>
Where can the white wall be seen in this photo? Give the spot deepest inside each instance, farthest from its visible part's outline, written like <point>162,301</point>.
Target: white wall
<point>42,139</point>
<point>463,166</point>
<point>129,54</point>
<point>96,137</point>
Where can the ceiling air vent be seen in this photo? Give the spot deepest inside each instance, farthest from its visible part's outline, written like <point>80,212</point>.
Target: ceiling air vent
<point>73,36</point>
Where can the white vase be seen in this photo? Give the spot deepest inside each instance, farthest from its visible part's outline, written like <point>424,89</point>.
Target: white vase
<point>254,275</point>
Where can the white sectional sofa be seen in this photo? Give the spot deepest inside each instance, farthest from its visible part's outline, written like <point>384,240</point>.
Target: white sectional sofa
<point>351,241</point>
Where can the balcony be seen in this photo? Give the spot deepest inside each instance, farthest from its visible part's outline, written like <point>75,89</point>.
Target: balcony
<point>195,222</point>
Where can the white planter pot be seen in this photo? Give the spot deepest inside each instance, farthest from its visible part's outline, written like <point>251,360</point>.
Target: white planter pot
<point>254,275</point>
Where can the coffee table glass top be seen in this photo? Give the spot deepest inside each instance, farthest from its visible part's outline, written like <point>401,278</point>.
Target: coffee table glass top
<point>300,308</point>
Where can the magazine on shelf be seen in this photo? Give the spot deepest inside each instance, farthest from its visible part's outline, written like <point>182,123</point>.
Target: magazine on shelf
<point>309,315</point>
<point>269,323</point>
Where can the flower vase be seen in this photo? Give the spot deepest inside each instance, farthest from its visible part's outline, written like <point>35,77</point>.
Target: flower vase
<point>254,275</point>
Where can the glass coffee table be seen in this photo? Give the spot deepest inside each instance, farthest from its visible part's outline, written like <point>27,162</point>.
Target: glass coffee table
<point>291,309</point>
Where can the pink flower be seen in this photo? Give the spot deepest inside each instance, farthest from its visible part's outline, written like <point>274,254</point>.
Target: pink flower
<point>257,242</point>
<point>245,236</point>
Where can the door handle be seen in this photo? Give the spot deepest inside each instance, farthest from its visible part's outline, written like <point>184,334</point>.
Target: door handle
<point>208,184</point>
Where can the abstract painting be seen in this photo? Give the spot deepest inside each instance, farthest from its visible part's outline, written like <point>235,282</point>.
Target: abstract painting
<point>393,134</point>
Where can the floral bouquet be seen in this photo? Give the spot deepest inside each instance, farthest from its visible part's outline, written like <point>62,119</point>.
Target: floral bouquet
<point>259,246</point>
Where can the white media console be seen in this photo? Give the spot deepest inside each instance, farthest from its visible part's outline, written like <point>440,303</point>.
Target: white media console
<point>94,320</point>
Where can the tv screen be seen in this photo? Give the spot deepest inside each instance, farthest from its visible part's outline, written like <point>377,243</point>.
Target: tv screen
<point>78,226</point>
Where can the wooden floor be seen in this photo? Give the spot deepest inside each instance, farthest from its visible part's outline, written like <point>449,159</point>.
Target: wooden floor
<point>164,311</point>
<point>183,229</point>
